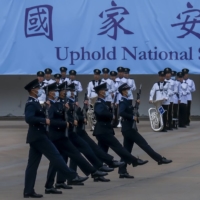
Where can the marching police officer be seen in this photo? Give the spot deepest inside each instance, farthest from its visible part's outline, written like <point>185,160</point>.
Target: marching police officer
<point>57,133</point>
<point>104,131</point>
<point>103,156</point>
<point>48,79</point>
<point>39,142</point>
<point>191,87</point>
<point>130,134</point>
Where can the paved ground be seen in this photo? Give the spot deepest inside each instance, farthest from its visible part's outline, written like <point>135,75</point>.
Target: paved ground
<point>177,181</point>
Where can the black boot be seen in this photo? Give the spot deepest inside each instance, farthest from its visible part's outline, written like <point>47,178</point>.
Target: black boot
<point>125,175</point>
<point>101,179</point>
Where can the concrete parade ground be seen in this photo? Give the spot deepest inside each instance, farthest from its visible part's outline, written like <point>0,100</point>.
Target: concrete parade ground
<point>179,180</point>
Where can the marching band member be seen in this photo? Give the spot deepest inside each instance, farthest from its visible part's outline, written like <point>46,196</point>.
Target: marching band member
<point>72,77</point>
<point>113,76</point>
<point>161,90</point>
<point>48,79</point>
<point>131,83</point>
<point>110,86</point>
<point>183,91</point>
<point>120,79</point>
<point>171,82</point>
<point>191,87</point>
<point>175,100</point>
<point>63,71</point>
<point>40,77</point>
<point>57,79</point>
<point>91,94</point>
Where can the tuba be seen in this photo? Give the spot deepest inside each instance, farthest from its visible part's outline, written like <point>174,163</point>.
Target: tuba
<point>155,117</point>
<point>90,113</point>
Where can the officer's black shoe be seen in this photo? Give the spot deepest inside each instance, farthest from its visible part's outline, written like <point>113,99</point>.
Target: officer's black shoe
<point>139,162</point>
<point>182,127</point>
<point>125,175</point>
<point>116,164</point>
<point>105,168</point>
<point>164,130</point>
<point>101,179</point>
<point>52,191</point>
<point>98,174</point>
<point>78,179</point>
<point>75,183</point>
<point>164,161</point>
<point>62,186</point>
<point>33,195</point>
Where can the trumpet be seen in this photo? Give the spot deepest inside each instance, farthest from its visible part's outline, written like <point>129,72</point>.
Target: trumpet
<point>155,117</point>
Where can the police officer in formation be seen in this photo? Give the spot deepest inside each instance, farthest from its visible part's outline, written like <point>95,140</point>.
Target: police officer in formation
<point>66,121</point>
<point>39,142</point>
<point>130,133</point>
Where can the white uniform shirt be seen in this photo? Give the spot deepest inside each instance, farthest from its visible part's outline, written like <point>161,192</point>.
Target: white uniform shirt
<point>183,91</point>
<point>131,83</point>
<point>42,98</point>
<point>48,82</point>
<point>162,91</point>
<point>120,81</point>
<point>171,89</point>
<point>64,80</point>
<point>90,89</point>
<point>191,88</point>
<point>78,85</point>
<point>110,87</point>
<point>116,92</point>
<point>176,91</point>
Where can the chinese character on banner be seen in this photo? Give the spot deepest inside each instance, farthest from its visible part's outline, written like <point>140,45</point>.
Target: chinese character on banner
<point>113,20</point>
<point>38,21</point>
<point>191,21</point>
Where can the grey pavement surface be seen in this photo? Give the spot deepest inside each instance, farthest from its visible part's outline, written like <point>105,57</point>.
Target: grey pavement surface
<point>177,181</point>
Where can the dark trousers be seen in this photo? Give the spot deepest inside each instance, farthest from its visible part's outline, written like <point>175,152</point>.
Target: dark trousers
<point>108,140</point>
<point>165,115</point>
<point>130,101</point>
<point>188,112</point>
<point>67,149</point>
<point>102,155</point>
<point>182,114</point>
<point>44,147</point>
<point>169,117</point>
<point>131,137</point>
<point>175,114</point>
<point>86,150</point>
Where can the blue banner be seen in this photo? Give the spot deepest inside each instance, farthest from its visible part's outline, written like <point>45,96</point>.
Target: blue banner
<point>145,36</point>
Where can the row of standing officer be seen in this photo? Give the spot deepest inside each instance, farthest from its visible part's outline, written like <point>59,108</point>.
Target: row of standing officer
<point>175,89</point>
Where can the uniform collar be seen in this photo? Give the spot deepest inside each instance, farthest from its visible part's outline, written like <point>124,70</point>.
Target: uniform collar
<point>123,97</point>
<point>101,99</point>
<point>52,101</point>
<point>33,99</point>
